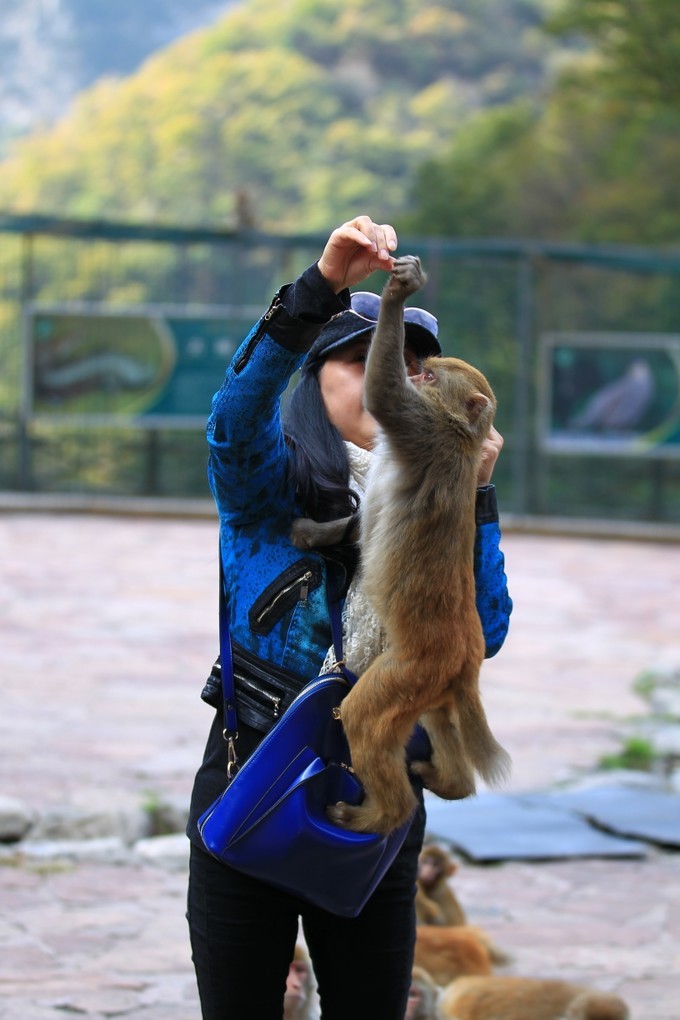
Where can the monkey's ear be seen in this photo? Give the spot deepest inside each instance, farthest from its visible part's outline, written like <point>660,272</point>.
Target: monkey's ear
<point>474,405</point>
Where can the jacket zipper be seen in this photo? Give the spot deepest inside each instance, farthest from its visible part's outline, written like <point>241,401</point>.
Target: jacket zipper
<point>303,582</point>
<point>257,336</point>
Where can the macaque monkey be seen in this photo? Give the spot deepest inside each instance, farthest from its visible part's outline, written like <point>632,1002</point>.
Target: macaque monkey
<point>436,902</point>
<point>450,952</point>
<point>417,533</point>
<point>521,998</point>
<point>422,997</point>
<point>298,1002</point>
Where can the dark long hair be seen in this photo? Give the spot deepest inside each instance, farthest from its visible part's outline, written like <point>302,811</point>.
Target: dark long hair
<point>318,456</point>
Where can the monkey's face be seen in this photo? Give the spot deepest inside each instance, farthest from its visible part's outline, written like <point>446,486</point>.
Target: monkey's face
<point>429,871</point>
<point>433,865</point>
<point>461,390</point>
<point>297,987</point>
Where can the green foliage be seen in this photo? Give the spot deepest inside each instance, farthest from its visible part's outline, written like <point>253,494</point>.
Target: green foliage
<point>636,753</point>
<point>595,160</point>
<point>639,41</point>
<point>312,109</point>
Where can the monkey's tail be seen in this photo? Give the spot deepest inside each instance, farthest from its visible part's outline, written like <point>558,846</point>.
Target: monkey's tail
<point>488,757</point>
<point>497,955</point>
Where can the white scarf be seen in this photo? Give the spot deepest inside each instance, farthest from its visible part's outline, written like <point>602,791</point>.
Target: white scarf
<point>362,636</point>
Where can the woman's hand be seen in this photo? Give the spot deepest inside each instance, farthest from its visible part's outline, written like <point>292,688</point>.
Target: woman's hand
<point>355,250</point>
<point>491,447</point>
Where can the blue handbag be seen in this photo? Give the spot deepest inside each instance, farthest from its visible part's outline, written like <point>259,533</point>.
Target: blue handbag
<point>271,820</point>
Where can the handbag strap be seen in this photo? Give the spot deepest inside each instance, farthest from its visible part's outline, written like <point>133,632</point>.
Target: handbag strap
<point>230,731</point>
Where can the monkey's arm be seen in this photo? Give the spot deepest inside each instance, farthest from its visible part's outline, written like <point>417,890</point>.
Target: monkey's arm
<point>388,394</point>
<point>494,604</point>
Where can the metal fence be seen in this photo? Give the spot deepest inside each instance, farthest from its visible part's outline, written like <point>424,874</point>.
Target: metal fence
<point>555,328</point>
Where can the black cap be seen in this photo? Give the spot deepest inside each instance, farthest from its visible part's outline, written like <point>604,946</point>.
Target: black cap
<point>420,326</point>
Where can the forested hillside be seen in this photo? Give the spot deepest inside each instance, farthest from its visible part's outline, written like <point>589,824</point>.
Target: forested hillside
<point>52,49</point>
<point>548,118</point>
<point>285,115</point>
<point>598,160</point>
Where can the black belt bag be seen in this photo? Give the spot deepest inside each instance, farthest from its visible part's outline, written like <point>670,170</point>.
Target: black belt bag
<point>263,691</point>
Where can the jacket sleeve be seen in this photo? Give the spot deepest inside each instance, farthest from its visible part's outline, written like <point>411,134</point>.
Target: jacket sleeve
<point>494,604</point>
<point>248,463</point>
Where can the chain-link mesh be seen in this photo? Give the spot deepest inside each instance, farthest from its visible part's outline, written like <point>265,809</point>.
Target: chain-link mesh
<point>519,311</point>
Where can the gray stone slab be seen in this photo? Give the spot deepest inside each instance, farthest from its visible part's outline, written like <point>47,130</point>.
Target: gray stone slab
<point>651,815</point>
<point>495,827</point>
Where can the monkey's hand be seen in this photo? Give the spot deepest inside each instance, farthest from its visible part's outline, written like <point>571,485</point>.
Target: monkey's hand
<point>406,278</point>
<point>491,448</point>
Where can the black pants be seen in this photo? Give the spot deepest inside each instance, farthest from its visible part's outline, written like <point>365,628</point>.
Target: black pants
<point>243,934</point>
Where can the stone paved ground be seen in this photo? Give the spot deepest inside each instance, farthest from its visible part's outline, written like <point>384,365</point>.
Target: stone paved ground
<point>107,628</point>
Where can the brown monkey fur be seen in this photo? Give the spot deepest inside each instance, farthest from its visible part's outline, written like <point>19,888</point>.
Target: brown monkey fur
<point>422,997</point>
<point>417,533</point>
<point>521,998</point>
<point>299,1002</point>
<point>436,902</point>
<point>450,952</point>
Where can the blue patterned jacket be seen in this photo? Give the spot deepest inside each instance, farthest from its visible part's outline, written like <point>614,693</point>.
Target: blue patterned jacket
<point>276,593</point>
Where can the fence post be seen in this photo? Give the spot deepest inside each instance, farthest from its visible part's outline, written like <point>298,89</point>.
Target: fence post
<point>24,451</point>
<point>523,427</point>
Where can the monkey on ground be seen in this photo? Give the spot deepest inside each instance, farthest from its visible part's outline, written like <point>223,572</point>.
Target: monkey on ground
<point>298,1002</point>
<point>450,952</point>
<point>521,998</point>
<point>422,997</point>
<point>417,534</point>
<point>436,902</point>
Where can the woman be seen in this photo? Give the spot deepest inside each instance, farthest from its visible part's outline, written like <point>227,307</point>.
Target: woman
<point>263,474</point>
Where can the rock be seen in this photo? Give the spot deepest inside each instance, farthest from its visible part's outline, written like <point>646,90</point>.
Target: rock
<point>69,822</point>
<point>15,819</point>
<point>112,850</point>
<point>665,700</point>
<point>166,851</point>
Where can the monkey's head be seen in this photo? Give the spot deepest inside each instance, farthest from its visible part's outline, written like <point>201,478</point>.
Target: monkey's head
<point>422,995</point>
<point>299,985</point>
<point>433,865</point>
<point>592,1005</point>
<point>462,392</point>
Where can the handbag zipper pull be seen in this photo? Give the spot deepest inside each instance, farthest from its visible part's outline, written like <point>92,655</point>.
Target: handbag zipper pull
<point>232,758</point>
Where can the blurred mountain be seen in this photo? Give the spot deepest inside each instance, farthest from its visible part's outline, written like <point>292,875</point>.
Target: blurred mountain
<point>50,50</point>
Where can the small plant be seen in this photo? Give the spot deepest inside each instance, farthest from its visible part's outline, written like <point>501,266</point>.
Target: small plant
<point>636,753</point>
<point>157,813</point>
<point>645,684</point>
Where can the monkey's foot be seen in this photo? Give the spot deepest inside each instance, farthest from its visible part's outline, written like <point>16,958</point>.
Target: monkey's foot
<point>363,818</point>
<point>302,533</point>
<point>306,533</point>
<point>447,787</point>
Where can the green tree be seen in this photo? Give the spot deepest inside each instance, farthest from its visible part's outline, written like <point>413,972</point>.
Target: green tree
<point>587,164</point>
<point>638,41</point>
<point>311,108</point>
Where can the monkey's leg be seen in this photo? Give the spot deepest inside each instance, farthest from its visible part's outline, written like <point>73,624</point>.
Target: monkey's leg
<point>378,717</point>
<point>448,774</point>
